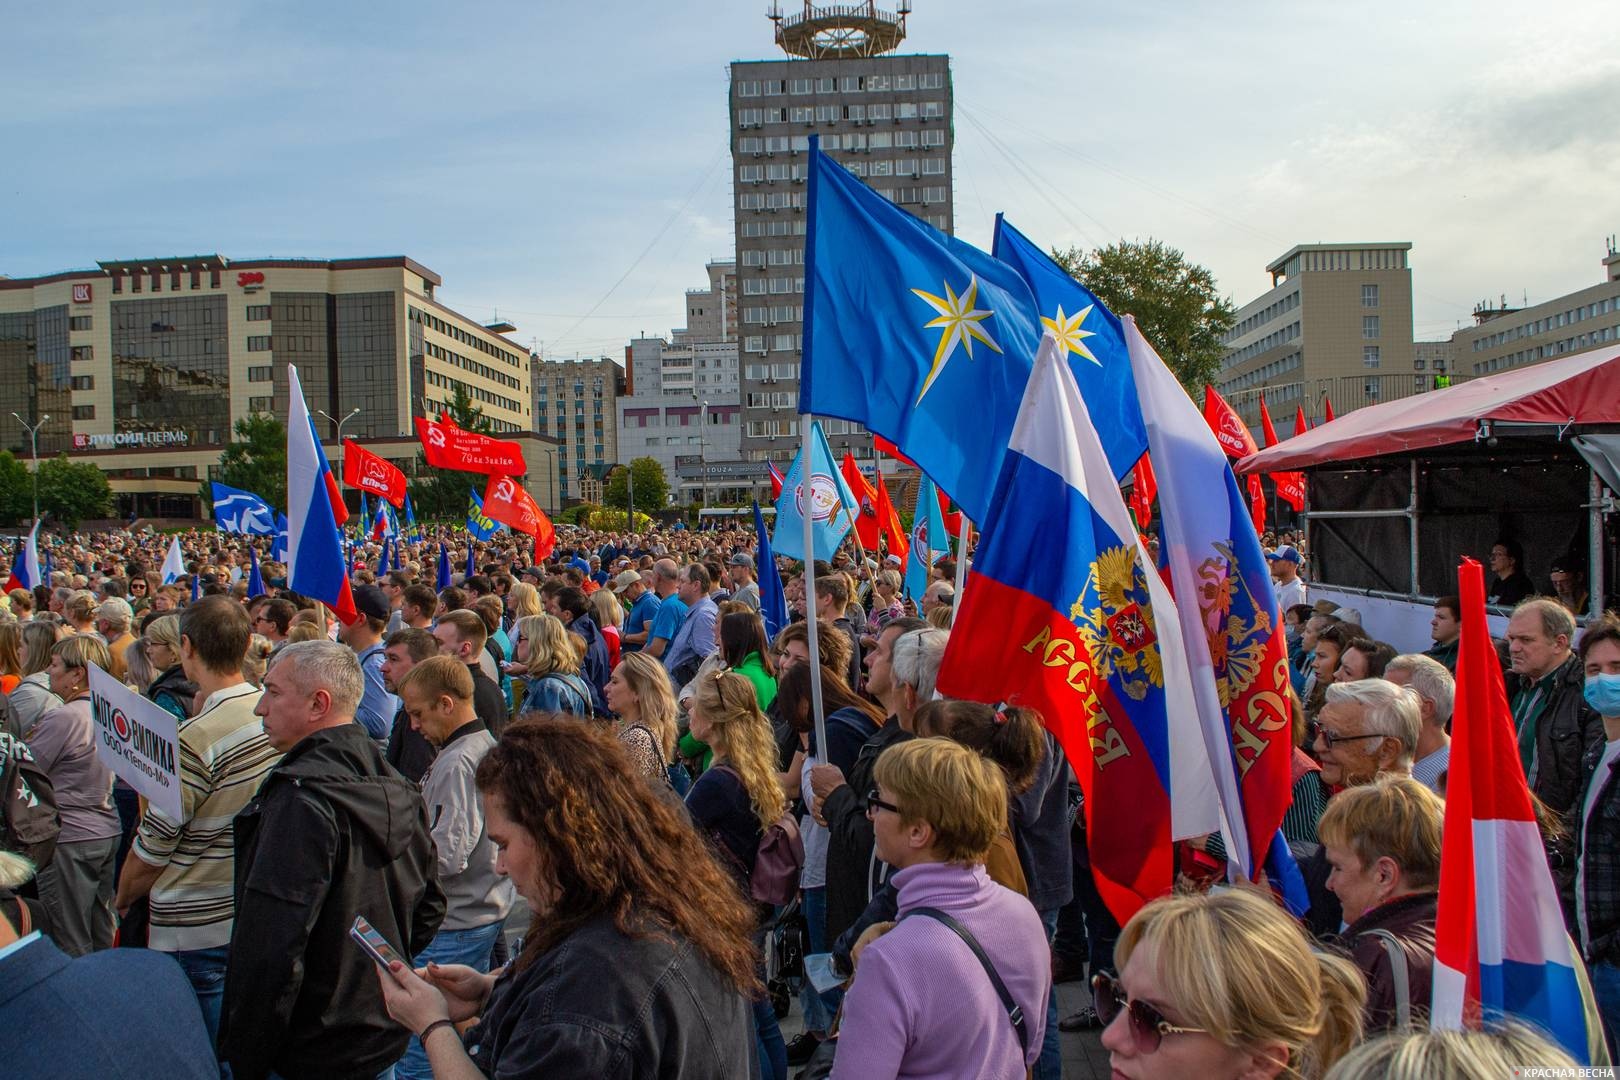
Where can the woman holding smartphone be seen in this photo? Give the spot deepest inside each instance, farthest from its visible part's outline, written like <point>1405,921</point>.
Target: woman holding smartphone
<point>640,939</point>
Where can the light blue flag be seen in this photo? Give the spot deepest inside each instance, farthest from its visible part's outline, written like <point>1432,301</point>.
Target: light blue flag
<point>832,504</point>
<point>242,512</point>
<point>410,515</point>
<point>923,338</point>
<point>928,540</point>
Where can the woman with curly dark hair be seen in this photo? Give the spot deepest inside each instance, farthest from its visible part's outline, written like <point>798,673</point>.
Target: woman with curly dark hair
<point>639,957</point>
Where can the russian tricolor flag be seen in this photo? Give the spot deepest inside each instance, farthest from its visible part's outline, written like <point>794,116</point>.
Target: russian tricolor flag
<point>1501,950</point>
<point>25,567</point>
<point>314,512</point>
<point>1064,612</point>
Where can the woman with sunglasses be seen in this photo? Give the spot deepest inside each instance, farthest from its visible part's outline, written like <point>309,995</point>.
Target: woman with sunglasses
<point>925,1002</point>
<point>735,801</point>
<point>1221,986</point>
<point>170,689</point>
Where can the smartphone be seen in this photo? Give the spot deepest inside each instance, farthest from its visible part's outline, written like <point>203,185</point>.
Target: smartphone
<point>376,946</point>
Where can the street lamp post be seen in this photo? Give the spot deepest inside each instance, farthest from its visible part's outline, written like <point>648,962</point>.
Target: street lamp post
<point>33,452</point>
<point>354,412</point>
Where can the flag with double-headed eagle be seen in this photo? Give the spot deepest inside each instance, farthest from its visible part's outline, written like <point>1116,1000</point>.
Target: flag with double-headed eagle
<point>1089,338</point>
<point>923,338</point>
<point>1065,613</point>
<point>1229,617</point>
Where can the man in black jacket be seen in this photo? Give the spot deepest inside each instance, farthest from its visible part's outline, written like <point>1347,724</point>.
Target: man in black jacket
<point>333,833</point>
<point>1555,726</point>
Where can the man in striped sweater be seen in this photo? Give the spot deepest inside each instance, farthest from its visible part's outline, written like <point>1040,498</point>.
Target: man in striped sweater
<point>188,866</point>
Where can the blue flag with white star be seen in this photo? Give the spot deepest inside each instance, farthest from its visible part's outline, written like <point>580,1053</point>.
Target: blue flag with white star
<point>1090,339</point>
<point>923,338</point>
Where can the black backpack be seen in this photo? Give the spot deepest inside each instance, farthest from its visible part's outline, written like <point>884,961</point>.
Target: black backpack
<point>29,821</point>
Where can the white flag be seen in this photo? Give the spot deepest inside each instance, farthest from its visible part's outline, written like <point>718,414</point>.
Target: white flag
<point>174,566</point>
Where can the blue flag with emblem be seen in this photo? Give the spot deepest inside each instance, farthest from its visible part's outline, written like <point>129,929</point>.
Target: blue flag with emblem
<point>278,546</point>
<point>410,516</point>
<point>832,505</point>
<point>1091,342</point>
<point>928,540</point>
<point>242,512</point>
<point>925,339</point>
<point>480,524</point>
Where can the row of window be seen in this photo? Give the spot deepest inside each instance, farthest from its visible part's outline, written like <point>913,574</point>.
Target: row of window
<point>774,257</point>
<point>771,200</point>
<point>1263,375</point>
<point>758,343</point>
<point>1599,336</point>
<point>81,322</point>
<point>157,281</point>
<point>500,427</point>
<point>1277,308</point>
<point>433,322</point>
<point>856,141</point>
<point>832,114</point>
<point>467,363</point>
<point>773,286</point>
<point>1547,324</point>
<point>1270,341</point>
<point>258,313</point>
<point>477,393</point>
<point>762,372</point>
<point>789,227</point>
<point>911,167</point>
<point>849,84</point>
<point>769,316</point>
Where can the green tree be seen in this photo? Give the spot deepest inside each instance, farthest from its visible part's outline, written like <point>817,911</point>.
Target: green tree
<point>1174,302</point>
<point>651,488</point>
<point>16,490</point>
<point>468,417</point>
<point>256,460</point>
<point>73,491</point>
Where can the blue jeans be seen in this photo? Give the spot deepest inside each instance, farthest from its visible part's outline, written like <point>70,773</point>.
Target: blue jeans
<point>205,970</point>
<point>470,947</point>
<point>1049,1066</point>
<point>1606,989</point>
<point>768,1042</point>
<point>817,1014</point>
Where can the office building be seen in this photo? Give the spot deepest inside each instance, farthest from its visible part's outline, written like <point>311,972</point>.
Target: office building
<point>575,402</point>
<point>885,117</point>
<point>681,406</point>
<point>1504,337</point>
<point>1335,326</point>
<point>142,366</point>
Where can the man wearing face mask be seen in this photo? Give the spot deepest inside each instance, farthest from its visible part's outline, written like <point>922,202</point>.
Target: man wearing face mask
<point>1597,836</point>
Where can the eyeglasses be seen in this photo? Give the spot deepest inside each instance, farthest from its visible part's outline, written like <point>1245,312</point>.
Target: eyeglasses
<point>1331,740</point>
<point>874,803</point>
<point>1147,1025</point>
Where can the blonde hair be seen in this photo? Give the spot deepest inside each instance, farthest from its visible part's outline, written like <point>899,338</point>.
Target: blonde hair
<point>960,794</point>
<point>1451,1055</point>
<point>304,630</point>
<point>523,600</point>
<point>1236,965</point>
<point>81,651</point>
<point>1394,817</point>
<point>165,630</point>
<point>655,700</point>
<point>10,655</point>
<point>742,739</point>
<point>550,651</point>
<point>939,618</point>
<point>439,676</point>
<point>606,608</point>
<point>256,659</point>
<point>80,607</point>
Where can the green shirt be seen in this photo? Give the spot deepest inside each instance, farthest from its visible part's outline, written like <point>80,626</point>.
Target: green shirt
<point>1528,705</point>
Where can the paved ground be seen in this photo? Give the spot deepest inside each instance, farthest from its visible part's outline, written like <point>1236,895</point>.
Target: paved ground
<point>1083,1055</point>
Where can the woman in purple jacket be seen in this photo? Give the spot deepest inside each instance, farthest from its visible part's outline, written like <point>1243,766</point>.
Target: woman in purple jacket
<point>958,988</point>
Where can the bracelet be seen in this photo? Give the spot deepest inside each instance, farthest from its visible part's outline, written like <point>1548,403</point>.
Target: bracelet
<point>431,1028</point>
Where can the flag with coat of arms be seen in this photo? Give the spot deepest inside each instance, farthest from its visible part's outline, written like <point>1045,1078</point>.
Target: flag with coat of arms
<point>831,504</point>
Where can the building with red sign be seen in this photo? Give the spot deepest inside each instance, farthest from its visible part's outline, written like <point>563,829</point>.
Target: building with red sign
<point>143,366</point>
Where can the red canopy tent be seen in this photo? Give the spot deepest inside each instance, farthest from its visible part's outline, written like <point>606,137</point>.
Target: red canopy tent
<point>1579,389</point>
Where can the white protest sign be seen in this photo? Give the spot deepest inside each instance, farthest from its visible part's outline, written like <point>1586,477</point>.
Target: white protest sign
<point>137,740</point>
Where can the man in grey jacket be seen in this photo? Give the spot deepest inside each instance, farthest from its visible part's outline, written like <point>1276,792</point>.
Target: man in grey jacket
<point>438,698</point>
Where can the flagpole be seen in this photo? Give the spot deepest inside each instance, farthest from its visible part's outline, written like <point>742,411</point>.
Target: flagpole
<point>807,517</point>
<point>964,535</point>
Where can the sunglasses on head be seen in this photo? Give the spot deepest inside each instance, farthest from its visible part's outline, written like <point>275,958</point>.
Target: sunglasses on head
<point>1147,1025</point>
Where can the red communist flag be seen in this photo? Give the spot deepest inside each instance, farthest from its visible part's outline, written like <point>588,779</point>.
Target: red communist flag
<point>1230,430</point>
<point>1301,425</point>
<point>889,523</point>
<point>367,471</point>
<point>1290,485</point>
<point>884,446</point>
<point>1327,409</point>
<point>449,447</point>
<point>1144,488</point>
<point>866,520</point>
<point>506,501</point>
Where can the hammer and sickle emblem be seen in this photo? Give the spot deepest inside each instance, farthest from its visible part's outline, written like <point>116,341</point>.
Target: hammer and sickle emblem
<point>436,437</point>
<point>503,490</point>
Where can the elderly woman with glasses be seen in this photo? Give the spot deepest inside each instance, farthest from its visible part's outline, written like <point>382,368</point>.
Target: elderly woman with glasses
<point>170,689</point>
<point>1222,986</point>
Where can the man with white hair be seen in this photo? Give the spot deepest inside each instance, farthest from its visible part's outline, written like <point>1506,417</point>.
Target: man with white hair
<point>938,594</point>
<point>1365,728</point>
<point>113,618</point>
<point>1436,691</point>
<point>332,833</point>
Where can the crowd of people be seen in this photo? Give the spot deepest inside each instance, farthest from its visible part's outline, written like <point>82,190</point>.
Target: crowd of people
<point>580,814</point>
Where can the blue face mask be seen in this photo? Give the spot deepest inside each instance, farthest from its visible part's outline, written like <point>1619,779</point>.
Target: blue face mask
<point>1603,694</point>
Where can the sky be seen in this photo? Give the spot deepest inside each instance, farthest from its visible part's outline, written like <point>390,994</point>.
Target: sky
<point>566,167</point>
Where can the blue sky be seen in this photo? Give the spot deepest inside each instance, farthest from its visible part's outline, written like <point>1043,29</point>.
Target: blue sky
<point>555,161</point>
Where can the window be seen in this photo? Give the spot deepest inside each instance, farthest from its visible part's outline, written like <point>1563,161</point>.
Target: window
<point>931,81</point>
<point>258,404</point>
<point>1369,326</point>
<point>933,110</point>
<point>905,82</point>
<point>84,412</point>
<point>83,352</point>
<point>1369,296</point>
<point>79,322</point>
<point>260,373</point>
<point>258,312</point>
<point>260,343</point>
<point>1370,356</point>
<point>84,382</point>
